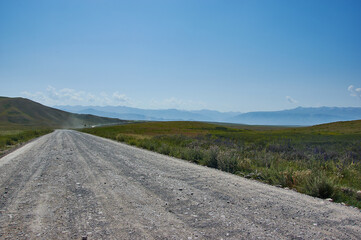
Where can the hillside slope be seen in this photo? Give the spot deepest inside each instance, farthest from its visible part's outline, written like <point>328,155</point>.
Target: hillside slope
<point>342,127</point>
<point>21,112</point>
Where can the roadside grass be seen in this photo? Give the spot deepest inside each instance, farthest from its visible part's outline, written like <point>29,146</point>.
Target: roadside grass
<point>322,161</point>
<point>11,138</point>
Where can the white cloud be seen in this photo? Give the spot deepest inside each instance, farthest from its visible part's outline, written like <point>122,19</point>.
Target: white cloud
<point>67,96</point>
<point>291,100</point>
<point>120,97</point>
<point>355,92</point>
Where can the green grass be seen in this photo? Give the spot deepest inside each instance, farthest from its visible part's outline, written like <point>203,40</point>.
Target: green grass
<point>11,138</point>
<point>322,161</point>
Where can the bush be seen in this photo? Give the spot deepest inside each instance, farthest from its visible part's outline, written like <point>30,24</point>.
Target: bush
<point>211,157</point>
<point>320,186</point>
<point>164,149</point>
<point>9,142</point>
<point>120,138</point>
<point>227,161</point>
<point>132,142</point>
<point>245,165</point>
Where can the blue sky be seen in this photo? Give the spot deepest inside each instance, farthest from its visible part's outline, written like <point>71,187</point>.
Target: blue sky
<point>221,55</point>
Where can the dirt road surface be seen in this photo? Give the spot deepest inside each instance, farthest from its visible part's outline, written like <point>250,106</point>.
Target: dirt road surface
<point>71,185</point>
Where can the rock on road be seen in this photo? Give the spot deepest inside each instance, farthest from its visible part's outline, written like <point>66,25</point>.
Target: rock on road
<point>71,185</point>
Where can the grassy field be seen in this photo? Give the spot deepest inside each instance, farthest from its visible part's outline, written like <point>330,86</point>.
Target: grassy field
<point>12,138</point>
<point>322,161</point>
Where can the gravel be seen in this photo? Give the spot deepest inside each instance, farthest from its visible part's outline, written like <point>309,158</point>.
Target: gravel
<point>71,185</point>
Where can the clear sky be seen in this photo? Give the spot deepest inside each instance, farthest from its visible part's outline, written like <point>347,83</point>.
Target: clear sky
<point>222,55</point>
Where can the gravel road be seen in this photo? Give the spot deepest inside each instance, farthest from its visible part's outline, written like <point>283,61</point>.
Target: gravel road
<point>71,185</point>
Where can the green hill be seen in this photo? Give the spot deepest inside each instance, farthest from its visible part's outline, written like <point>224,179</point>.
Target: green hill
<point>343,127</point>
<point>20,113</point>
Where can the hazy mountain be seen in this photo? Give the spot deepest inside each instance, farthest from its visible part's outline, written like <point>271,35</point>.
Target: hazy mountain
<point>297,116</point>
<point>215,115</point>
<point>125,116</point>
<point>129,113</point>
<point>21,112</point>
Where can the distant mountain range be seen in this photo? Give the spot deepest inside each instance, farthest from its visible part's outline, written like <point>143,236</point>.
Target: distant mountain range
<point>128,113</point>
<point>23,113</point>
<point>298,116</point>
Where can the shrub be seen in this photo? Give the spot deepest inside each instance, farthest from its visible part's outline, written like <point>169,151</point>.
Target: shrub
<point>120,138</point>
<point>132,142</point>
<point>164,149</point>
<point>211,157</point>
<point>319,186</point>
<point>227,160</point>
<point>300,177</point>
<point>9,142</point>
<point>245,165</point>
